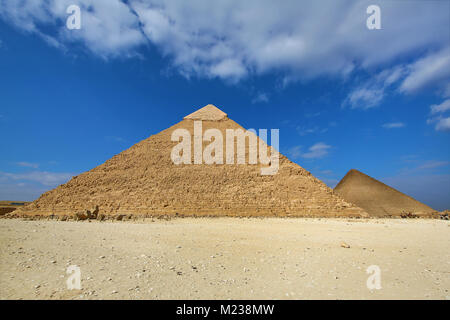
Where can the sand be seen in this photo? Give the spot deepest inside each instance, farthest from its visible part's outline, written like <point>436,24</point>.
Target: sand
<point>225,258</point>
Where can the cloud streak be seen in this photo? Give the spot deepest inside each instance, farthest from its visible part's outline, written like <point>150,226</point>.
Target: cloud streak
<point>28,164</point>
<point>441,123</point>
<point>430,71</point>
<point>393,125</point>
<point>316,151</point>
<point>50,179</point>
<point>438,108</point>
<point>261,97</point>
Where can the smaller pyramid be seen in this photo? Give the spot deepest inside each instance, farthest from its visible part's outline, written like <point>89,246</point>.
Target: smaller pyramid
<point>377,198</point>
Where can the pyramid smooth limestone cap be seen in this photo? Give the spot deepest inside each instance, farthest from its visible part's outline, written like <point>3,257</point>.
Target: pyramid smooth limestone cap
<point>207,113</point>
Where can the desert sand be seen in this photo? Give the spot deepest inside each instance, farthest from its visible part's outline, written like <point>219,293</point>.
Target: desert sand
<point>226,258</point>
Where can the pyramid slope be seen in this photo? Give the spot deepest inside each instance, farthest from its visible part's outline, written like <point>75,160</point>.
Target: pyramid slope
<point>143,180</point>
<point>377,198</point>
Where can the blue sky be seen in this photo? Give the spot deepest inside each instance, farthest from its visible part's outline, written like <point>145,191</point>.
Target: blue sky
<point>342,96</point>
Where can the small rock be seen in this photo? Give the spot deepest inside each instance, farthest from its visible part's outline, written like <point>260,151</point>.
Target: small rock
<point>80,216</point>
<point>345,245</point>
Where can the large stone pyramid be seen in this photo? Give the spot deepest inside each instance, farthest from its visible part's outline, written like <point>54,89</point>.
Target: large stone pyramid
<point>144,180</point>
<point>378,199</point>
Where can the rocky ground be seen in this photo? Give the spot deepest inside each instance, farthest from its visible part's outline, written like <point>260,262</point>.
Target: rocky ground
<point>225,258</point>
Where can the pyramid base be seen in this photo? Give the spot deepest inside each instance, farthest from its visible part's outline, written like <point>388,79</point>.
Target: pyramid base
<point>62,214</point>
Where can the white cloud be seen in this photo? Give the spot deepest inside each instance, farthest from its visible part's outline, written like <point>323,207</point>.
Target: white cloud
<point>393,125</point>
<point>433,69</point>
<point>115,139</point>
<point>264,35</point>
<point>441,123</point>
<point>43,177</point>
<point>228,69</point>
<point>261,97</point>
<point>316,151</point>
<point>303,131</point>
<point>421,167</point>
<point>28,164</point>
<point>108,27</point>
<point>372,92</point>
<point>437,108</point>
<point>231,39</point>
<point>20,191</point>
<point>391,76</point>
<point>432,164</point>
<point>364,98</point>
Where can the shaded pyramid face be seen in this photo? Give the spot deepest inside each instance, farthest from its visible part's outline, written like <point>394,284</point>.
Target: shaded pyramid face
<point>143,180</point>
<point>378,199</point>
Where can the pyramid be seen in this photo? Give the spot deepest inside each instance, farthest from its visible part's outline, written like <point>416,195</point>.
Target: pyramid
<point>378,199</point>
<point>143,180</point>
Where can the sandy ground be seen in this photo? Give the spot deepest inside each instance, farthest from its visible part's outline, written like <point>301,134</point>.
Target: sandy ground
<point>225,258</point>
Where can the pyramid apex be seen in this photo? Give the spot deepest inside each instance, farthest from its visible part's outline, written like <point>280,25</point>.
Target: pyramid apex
<point>207,113</point>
